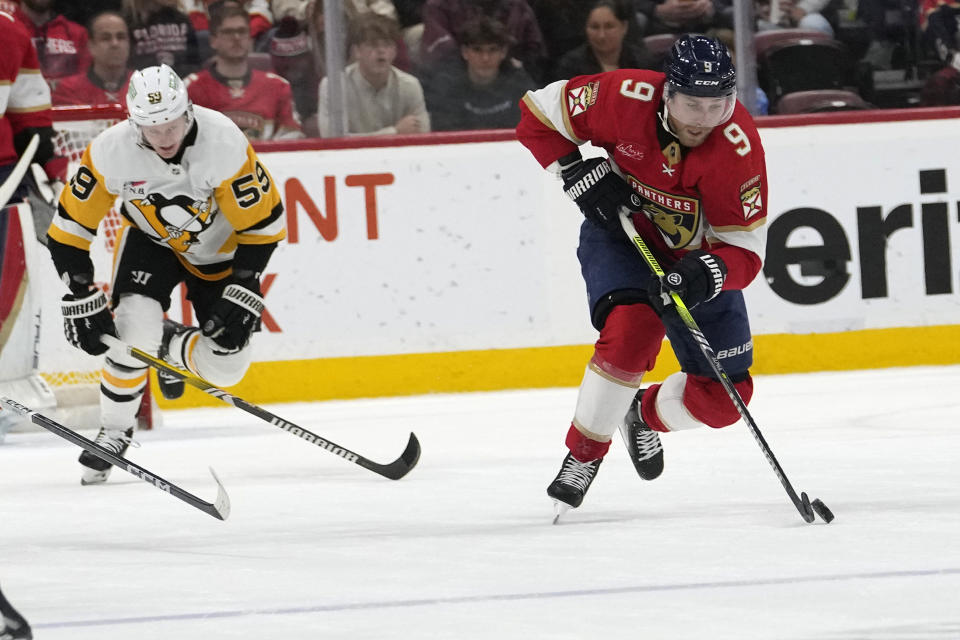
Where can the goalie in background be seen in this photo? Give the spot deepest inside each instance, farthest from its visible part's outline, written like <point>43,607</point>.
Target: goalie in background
<point>13,626</point>
<point>199,208</point>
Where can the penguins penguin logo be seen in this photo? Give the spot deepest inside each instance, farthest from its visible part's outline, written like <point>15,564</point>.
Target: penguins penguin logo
<point>181,216</point>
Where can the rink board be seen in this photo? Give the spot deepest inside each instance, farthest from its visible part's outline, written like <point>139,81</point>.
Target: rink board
<point>451,266</point>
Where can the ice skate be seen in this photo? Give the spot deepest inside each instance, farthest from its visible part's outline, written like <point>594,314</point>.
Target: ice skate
<point>13,626</point>
<point>571,484</point>
<point>96,471</point>
<point>643,444</point>
<point>171,386</point>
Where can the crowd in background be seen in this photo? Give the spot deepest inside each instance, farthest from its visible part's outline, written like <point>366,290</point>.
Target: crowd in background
<point>438,65</point>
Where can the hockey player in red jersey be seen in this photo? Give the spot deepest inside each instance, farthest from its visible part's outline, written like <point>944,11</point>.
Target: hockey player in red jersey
<point>199,208</point>
<point>258,102</point>
<point>685,159</point>
<point>24,103</point>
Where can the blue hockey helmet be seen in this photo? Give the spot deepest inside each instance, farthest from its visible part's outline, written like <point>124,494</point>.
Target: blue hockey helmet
<point>700,67</point>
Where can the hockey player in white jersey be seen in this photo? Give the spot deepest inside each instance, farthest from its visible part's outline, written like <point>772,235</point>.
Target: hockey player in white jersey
<point>198,207</point>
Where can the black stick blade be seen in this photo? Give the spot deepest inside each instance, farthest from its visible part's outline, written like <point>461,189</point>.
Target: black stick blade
<point>825,514</point>
<point>805,508</point>
<point>399,467</point>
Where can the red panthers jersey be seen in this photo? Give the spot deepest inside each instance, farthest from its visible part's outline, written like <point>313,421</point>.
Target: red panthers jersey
<point>710,197</point>
<point>24,96</point>
<point>87,88</point>
<point>261,103</point>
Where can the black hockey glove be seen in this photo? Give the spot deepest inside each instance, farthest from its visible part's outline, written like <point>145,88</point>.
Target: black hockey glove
<point>597,189</point>
<point>696,277</point>
<point>236,315</point>
<point>87,317</point>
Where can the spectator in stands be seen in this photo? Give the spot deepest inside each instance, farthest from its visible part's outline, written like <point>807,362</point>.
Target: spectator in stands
<point>161,34</point>
<point>352,9</point>
<point>940,30</point>
<point>483,92</point>
<point>562,21</point>
<point>260,103</point>
<point>294,55</point>
<point>298,49</point>
<point>105,82</point>
<point>792,14</point>
<point>410,17</point>
<point>61,44</point>
<point>677,16</point>
<point>380,98</point>
<point>442,18</point>
<point>606,48</point>
<point>261,14</point>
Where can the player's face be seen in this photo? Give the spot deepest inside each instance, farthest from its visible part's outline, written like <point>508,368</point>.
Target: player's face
<point>692,118</point>
<point>605,32</point>
<point>166,138</point>
<point>483,61</point>
<point>109,41</point>
<point>232,41</point>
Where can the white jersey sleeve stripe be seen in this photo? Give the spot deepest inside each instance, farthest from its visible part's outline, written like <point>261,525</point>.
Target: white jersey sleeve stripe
<point>753,238</point>
<point>72,228</point>
<point>547,105</point>
<point>29,92</point>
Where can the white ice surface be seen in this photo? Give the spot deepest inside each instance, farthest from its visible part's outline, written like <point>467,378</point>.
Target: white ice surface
<point>464,548</point>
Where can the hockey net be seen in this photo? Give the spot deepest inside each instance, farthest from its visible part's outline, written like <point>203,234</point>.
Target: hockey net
<point>73,376</point>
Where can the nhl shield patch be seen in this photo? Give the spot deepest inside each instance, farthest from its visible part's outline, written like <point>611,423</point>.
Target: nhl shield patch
<point>579,99</point>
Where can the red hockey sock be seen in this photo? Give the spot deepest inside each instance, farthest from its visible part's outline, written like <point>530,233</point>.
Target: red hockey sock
<point>583,448</point>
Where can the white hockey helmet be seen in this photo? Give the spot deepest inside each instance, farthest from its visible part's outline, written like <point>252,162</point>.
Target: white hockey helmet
<point>157,95</point>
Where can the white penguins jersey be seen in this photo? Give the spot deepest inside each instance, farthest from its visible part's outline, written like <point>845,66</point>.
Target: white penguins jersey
<point>212,196</point>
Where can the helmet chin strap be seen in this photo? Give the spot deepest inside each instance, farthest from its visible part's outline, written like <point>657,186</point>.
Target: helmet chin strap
<point>665,120</point>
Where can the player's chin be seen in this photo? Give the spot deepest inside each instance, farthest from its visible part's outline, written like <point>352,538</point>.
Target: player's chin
<point>167,152</point>
<point>694,136</point>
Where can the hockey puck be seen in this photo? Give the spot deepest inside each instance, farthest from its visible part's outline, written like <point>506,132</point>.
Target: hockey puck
<point>825,514</point>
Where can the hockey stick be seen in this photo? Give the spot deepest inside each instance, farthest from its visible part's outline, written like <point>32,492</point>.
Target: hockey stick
<point>219,509</point>
<point>394,470</point>
<point>802,503</point>
<point>12,183</point>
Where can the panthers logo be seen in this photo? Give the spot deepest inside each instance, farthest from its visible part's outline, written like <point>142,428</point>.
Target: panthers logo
<point>178,221</point>
<point>677,227</point>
